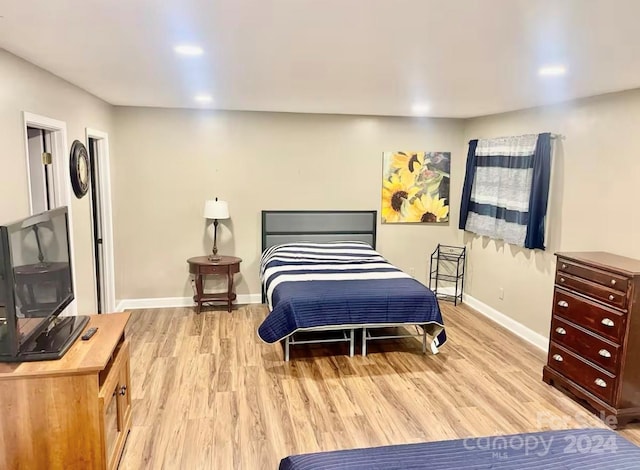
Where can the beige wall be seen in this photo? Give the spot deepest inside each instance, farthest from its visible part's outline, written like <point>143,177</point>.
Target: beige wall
<point>168,162</point>
<point>25,87</point>
<point>595,191</point>
<point>165,163</point>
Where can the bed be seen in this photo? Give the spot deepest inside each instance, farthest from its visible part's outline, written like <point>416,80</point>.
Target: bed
<point>583,449</point>
<point>320,272</point>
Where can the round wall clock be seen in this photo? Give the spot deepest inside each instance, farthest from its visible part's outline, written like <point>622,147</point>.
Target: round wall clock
<point>79,168</point>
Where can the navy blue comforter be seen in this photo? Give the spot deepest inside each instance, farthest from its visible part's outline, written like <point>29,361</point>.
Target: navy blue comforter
<point>578,449</point>
<point>311,285</point>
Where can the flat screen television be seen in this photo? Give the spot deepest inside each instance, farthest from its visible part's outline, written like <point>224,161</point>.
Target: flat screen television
<point>36,285</point>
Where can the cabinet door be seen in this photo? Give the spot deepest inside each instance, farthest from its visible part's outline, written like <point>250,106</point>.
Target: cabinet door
<point>113,429</point>
<point>124,395</point>
<point>116,407</point>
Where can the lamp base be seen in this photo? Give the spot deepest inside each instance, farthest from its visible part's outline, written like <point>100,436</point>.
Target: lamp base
<point>214,258</point>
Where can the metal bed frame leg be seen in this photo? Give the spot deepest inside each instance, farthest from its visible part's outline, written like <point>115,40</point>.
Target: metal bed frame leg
<point>364,341</point>
<point>286,348</point>
<point>352,342</point>
<point>424,340</point>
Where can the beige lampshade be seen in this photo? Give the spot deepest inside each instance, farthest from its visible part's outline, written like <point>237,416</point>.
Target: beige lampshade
<point>216,210</point>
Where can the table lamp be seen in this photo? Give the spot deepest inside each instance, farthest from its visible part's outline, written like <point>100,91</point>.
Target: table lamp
<point>216,210</point>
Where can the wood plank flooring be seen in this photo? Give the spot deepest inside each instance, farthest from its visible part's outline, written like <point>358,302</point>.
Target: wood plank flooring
<point>208,394</point>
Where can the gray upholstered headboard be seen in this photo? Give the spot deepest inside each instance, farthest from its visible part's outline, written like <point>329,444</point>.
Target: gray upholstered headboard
<point>318,226</point>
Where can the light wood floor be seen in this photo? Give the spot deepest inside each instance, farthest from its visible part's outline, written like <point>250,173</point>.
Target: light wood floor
<point>208,394</point>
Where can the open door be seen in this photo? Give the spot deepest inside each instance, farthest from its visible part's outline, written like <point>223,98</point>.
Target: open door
<point>100,198</point>
<point>40,166</point>
<point>96,217</point>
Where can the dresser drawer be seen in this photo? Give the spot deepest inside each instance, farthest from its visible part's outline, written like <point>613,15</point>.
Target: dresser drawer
<point>586,344</point>
<point>605,278</point>
<point>609,296</point>
<point>590,315</point>
<point>599,382</point>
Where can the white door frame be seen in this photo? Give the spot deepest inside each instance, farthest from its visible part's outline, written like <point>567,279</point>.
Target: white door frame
<point>62,185</point>
<point>107,222</point>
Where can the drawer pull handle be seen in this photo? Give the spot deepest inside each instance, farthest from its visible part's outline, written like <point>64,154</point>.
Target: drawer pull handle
<point>123,390</point>
<point>611,297</point>
<point>604,353</point>
<point>563,304</point>
<point>561,331</point>
<point>613,282</point>
<point>607,322</point>
<point>558,357</point>
<point>562,279</point>
<point>564,266</point>
<point>601,383</point>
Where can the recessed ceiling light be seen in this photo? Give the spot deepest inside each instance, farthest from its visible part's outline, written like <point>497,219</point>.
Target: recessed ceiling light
<point>552,70</point>
<point>420,109</point>
<point>187,49</point>
<point>203,98</point>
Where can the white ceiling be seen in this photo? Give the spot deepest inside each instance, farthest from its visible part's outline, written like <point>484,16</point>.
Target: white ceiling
<point>462,57</point>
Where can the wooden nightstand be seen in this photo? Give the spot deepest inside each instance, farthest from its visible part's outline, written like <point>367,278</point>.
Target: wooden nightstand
<point>201,266</point>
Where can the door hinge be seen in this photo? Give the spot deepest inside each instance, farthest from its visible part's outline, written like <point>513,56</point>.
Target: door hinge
<point>46,158</point>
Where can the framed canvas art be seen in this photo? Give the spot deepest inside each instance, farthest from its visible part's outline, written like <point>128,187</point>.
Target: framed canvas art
<point>415,187</point>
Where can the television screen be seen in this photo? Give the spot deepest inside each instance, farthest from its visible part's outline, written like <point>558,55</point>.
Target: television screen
<point>35,275</point>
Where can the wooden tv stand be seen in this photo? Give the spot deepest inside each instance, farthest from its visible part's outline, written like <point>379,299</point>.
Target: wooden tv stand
<point>74,412</point>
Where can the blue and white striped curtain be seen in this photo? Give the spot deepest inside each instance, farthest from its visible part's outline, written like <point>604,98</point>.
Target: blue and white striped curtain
<point>506,189</point>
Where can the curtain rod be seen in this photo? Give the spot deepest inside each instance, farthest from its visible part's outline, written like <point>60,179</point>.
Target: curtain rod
<point>553,136</point>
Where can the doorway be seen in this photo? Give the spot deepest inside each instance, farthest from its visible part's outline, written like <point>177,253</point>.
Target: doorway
<point>102,232</point>
<point>96,219</point>
<point>47,175</point>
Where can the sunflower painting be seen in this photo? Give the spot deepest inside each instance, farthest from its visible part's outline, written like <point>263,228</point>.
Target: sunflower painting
<point>415,187</point>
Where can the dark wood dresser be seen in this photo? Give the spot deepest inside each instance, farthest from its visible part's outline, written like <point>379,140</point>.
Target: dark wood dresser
<point>594,350</point>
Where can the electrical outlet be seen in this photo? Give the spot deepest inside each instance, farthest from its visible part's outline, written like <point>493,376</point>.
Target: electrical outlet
<point>412,272</point>
<point>501,293</point>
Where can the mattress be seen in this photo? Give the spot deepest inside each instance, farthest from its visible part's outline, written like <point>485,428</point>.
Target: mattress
<point>584,449</point>
<point>342,284</point>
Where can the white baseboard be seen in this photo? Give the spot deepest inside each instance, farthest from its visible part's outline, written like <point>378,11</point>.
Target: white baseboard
<point>171,302</point>
<point>517,328</point>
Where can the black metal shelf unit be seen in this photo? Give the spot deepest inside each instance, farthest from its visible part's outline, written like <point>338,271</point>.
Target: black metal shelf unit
<point>446,272</point>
